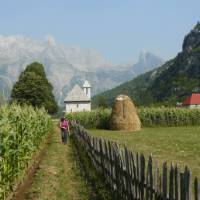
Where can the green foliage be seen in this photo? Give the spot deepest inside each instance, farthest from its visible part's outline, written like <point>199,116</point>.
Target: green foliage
<point>95,119</point>
<point>59,113</point>
<point>100,102</point>
<point>150,117</point>
<point>33,88</point>
<point>22,129</point>
<point>37,68</point>
<point>196,50</point>
<point>178,81</point>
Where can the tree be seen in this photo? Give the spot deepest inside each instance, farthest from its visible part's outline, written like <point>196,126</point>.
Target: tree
<point>34,89</point>
<point>101,102</point>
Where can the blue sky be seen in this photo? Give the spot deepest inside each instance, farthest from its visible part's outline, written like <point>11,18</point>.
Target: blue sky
<point>118,29</point>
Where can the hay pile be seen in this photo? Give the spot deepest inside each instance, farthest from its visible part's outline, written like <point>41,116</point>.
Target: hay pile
<point>124,115</point>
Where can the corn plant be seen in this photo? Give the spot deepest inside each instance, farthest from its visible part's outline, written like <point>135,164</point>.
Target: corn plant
<point>22,129</point>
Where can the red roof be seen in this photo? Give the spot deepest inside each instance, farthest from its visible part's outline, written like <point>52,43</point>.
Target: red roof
<point>194,99</point>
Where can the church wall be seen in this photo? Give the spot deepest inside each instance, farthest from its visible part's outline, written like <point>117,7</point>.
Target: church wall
<point>78,107</point>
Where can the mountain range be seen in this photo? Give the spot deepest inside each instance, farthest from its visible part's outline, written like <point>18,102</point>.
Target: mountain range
<point>168,84</point>
<point>65,66</point>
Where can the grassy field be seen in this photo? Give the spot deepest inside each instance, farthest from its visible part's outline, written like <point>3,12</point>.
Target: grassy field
<point>173,144</point>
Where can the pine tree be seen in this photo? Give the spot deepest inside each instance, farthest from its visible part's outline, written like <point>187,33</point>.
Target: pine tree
<point>34,89</point>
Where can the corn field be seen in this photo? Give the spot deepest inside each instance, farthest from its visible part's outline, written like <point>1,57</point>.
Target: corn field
<point>22,129</point>
<point>150,117</point>
<point>94,119</point>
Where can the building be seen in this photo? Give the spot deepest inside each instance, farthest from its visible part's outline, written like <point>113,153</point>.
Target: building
<point>192,101</point>
<point>79,99</point>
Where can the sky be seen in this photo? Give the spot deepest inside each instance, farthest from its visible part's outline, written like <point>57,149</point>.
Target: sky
<point>118,29</point>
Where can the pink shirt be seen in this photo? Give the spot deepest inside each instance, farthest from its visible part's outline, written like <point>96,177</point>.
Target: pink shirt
<point>64,124</point>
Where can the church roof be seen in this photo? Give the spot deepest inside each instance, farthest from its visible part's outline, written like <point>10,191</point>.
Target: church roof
<point>76,94</point>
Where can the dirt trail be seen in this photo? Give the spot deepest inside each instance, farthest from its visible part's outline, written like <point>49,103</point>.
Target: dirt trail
<point>57,177</point>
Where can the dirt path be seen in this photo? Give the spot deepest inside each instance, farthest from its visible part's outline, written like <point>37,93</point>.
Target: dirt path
<point>57,177</point>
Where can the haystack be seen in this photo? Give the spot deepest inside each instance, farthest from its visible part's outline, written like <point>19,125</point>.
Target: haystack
<point>124,115</point>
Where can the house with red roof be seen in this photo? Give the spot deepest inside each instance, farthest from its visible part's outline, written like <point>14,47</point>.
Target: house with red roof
<point>192,101</point>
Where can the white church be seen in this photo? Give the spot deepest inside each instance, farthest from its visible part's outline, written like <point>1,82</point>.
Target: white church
<point>79,99</point>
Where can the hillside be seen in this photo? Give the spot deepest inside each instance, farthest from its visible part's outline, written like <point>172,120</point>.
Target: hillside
<point>171,82</point>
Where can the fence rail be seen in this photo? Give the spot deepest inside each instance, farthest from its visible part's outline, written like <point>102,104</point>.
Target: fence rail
<point>130,176</point>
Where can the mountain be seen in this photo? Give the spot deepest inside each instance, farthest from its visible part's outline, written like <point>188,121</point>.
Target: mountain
<point>64,66</point>
<point>170,83</point>
<point>147,62</point>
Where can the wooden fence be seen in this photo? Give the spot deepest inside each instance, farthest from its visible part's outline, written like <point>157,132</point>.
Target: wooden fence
<point>130,176</point>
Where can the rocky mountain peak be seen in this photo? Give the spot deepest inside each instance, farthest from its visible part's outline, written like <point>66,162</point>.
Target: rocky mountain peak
<point>147,61</point>
<point>192,40</point>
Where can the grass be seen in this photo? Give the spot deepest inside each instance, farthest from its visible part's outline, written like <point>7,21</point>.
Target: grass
<point>58,176</point>
<point>179,145</point>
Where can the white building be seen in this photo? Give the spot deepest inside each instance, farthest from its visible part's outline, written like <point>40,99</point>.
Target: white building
<point>79,99</point>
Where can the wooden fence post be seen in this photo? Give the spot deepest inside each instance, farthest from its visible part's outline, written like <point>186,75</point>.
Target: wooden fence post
<point>187,184</point>
<point>171,183</point>
<point>177,183</point>
<point>149,180</point>
<point>196,189</point>
<point>164,181</point>
<point>142,176</point>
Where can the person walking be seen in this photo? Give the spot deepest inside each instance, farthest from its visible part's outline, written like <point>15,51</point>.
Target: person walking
<point>64,127</point>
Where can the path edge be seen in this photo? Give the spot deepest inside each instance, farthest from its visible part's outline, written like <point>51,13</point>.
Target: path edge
<point>21,186</point>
